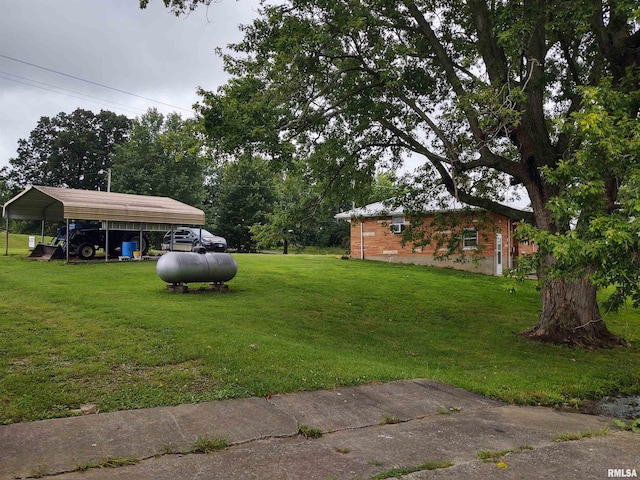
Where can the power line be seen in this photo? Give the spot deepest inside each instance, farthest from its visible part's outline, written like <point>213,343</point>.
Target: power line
<point>93,83</point>
<point>73,93</point>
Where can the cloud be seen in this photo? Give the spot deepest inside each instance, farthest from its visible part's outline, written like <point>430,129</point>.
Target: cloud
<point>150,53</point>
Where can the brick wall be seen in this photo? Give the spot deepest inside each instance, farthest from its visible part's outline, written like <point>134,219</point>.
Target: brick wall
<point>371,238</point>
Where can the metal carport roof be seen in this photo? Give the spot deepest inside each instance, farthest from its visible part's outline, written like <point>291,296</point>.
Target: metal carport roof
<point>52,204</point>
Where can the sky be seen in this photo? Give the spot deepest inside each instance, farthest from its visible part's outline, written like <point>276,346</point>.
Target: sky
<point>60,55</point>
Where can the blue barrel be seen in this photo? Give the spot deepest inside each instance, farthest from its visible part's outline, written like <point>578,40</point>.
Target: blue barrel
<point>128,248</point>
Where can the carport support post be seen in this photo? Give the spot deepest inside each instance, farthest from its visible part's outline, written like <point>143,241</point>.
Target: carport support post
<point>42,231</point>
<point>66,240</point>
<point>106,243</point>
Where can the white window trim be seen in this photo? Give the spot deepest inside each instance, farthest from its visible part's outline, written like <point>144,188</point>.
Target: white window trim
<point>397,224</point>
<point>467,235</point>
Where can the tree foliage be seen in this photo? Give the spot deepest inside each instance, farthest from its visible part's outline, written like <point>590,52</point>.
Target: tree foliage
<point>5,191</point>
<point>179,7</point>
<point>488,94</point>
<point>603,201</point>
<point>164,157</point>
<point>243,197</point>
<point>69,150</point>
<point>299,218</point>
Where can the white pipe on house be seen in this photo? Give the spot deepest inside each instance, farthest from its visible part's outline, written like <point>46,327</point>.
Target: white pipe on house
<point>509,243</point>
<point>361,240</point>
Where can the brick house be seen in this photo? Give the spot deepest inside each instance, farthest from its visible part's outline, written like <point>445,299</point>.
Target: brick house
<point>377,234</point>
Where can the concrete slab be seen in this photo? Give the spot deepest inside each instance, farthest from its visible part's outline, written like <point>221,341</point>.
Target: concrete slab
<point>60,445</point>
<point>588,459</point>
<point>459,437</point>
<point>283,459</point>
<point>264,443</point>
<point>355,407</point>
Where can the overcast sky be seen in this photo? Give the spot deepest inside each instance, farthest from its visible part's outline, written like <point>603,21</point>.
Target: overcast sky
<point>148,53</point>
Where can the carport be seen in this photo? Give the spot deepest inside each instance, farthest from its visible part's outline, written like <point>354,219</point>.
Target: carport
<point>116,211</point>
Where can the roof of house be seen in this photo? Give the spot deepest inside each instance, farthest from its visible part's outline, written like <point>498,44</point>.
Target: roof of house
<point>385,209</point>
<point>56,204</point>
<point>441,203</point>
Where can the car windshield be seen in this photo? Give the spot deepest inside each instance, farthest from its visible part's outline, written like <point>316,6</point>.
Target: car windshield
<point>204,233</point>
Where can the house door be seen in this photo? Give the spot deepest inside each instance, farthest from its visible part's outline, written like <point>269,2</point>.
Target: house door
<point>499,254</point>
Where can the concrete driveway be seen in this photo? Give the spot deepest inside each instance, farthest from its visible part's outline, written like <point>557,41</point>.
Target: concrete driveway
<point>414,429</point>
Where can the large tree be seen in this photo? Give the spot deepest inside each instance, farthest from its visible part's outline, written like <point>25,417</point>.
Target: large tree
<point>489,94</point>
<point>69,150</point>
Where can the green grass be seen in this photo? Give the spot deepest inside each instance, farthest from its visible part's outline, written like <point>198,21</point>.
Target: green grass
<point>18,244</point>
<point>633,425</point>
<point>573,436</point>
<point>113,336</point>
<point>208,445</point>
<point>309,432</point>
<point>109,462</point>
<point>401,472</point>
<point>496,455</point>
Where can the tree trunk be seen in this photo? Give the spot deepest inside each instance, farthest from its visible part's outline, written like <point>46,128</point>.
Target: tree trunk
<point>571,316</point>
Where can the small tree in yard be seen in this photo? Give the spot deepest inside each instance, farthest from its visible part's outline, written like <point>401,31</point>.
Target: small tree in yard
<point>533,93</point>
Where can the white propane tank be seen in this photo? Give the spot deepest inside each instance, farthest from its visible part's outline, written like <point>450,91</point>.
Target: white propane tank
<point>186,267</point>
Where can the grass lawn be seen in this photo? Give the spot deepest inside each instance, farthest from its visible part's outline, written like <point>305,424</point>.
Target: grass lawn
<point>112,335</point>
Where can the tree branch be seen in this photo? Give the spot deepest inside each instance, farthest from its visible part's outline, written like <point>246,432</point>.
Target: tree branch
<point>492,54</point>
<point>449,183</point>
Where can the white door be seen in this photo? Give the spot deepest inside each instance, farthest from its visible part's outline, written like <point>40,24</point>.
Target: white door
<point>499,254</point>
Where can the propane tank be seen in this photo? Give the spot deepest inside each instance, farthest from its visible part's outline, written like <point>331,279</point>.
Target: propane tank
<point>185,267</point>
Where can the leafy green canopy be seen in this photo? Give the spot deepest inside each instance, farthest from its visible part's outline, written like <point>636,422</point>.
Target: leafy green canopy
<point>299,218</point>
<point>601,200</point>
<point>245,195</point>
<point>165,156</point>
<point>5,191</point>
<point>69,150</point>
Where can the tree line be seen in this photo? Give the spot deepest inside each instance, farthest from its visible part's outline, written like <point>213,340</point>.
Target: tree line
<point>244,199</point>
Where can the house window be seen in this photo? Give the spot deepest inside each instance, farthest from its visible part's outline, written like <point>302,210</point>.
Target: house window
<point>397,224</point>
<point>470,238</point>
